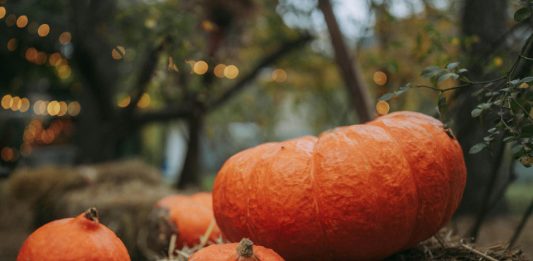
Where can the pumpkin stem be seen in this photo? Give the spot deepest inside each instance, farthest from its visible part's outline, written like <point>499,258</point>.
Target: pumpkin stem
<point>91,214</point>
<point>245,248</point>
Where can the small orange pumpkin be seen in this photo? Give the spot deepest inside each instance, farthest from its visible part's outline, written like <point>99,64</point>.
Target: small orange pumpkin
<point>243,251</point>
<point>74,239</point>
<point>356,192</point>
<point>191,217</point>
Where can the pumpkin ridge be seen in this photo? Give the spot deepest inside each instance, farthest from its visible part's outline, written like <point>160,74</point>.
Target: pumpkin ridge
<point>448,171</point>
<point>413,179</point>
<point>315,194</point>
<point>451,195</point>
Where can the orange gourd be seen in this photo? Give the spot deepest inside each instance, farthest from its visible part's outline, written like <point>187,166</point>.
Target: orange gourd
<point>243,251</point>
<point>191,216</point>
<point>356,192</point>
<point>81,238</point>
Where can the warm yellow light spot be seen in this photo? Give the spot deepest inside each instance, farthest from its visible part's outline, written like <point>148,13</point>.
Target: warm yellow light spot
<point>22,21</point>
<point>39,107</point>
<point>150,23</point>
<point>65,38</point>
<point>498,61</point>
<point>279,75</point>
<point>31,54</point>
<point>3,12</point>
<point>7,154</point>
<point>231,72</point>
<point>74,108</point>
<point>63,71</point>
<point>144,102</point>
<point>208,26</point>
<point>200,67</point>
<point>53,108</point>
<point>12,44</point>
<point>219,70</point>
<point>124,102</point>
<point>24,104</point>
<point>11,20</point>
<point>118,52</point>
<point>382,107</point>
<point>15,104</point>
<point>43,30</point>
<point>523,85</point>
<point>380,78</point>
<point>455,41</point>
<point>54,59</point>
<point>6,102</point>
<point>63,108</point>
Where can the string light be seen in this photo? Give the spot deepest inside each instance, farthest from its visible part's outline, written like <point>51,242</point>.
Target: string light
<point>22,21</point>
<point>219,70</point>
<point>3,12</point>
<point>118,52</point>
<point>279,75</point>
<point>15,104</point>
<point>43,30</point>
<point>231,72</point>
<point>124,102</point>
<point>144,102</point>
<point>74,108</point>
<point>65,38</point>
<point>6,102</point>
<point>12,44</point>
<point>380,78</point>
<point>200,67</point>
<point>53,108</point>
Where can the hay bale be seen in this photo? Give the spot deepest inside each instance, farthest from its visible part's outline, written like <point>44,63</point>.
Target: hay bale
<point>446,246</point>
<point>124,193</point>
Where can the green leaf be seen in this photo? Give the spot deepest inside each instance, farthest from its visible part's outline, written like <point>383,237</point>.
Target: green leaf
<point>476,112</point>
<point>452,66</point>
<point>462,70</point>
<point>522,14</point>
<point>447,76</point>
<point>484,106</point>
<point>387,96</point>
<point>527,79</point>
<point>477,148</point>
<point>430,71</point>
<point>403,89</point>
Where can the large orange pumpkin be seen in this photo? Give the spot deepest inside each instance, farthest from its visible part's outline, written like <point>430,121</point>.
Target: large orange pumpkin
<point>81,238</point>
<point>356,192</point>
<point>191,217</point>
<point>243,251</point>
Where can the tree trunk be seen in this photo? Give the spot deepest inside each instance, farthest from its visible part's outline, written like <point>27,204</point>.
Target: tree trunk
<point>190,174</point>
<point>354,84</point>
<point>484,20</point>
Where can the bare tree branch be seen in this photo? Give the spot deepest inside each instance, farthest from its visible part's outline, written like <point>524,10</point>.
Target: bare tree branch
<point>146,74</point>
<point>264,62</point>
<point>355,85</point>
<point>167,114</point>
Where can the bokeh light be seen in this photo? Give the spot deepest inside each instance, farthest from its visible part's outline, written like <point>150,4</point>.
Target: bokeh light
<point>15,104</point>
<point>219,70</point>
<point>118,52</point>
<point>144,102</point>
<point>6,102</point>
<point>22,21</point>
<point>74,108</point>
<point>3,12</point>
<point>380,78</point>
<point>65,38</point>
<point>24,104</point>
<point>231,72</point>
<point>43,30</point>
<point>382,107</point>
<point>279,75</point>
<point>12,44</point>
<point>53,108</point>
<point>124,102</point>
<point>200,67</point>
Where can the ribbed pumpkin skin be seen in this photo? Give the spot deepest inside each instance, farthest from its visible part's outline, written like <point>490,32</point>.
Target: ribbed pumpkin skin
<point>191,215</point>
<point>73,239</point>
<point>226,252</point>
<point>355,193</point>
